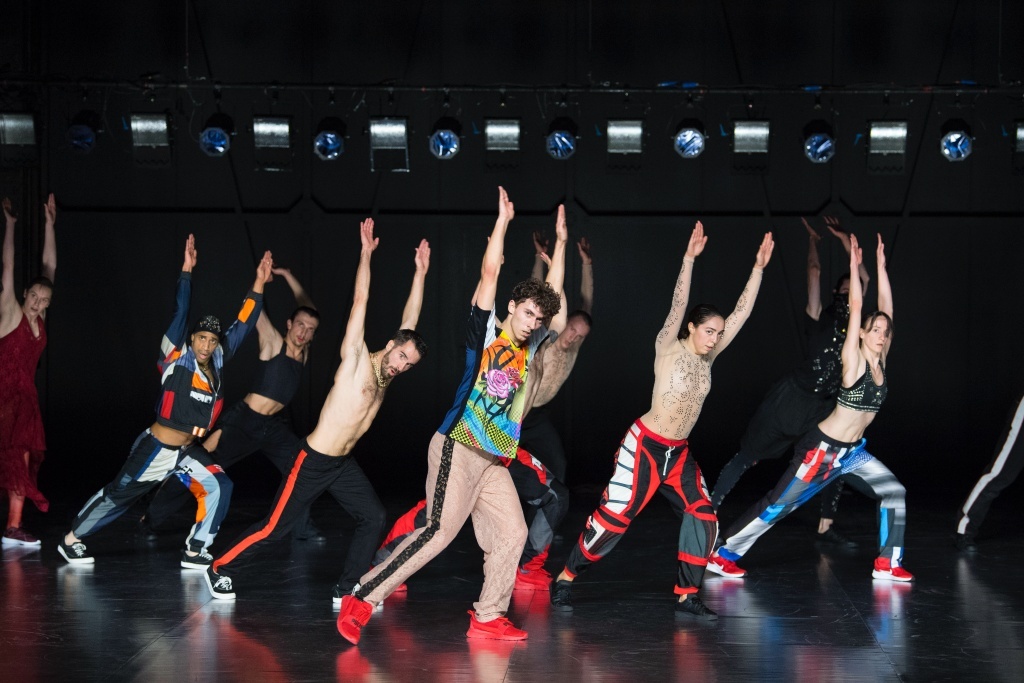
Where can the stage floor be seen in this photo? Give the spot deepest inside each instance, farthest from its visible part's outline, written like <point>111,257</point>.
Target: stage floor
<point>803,613</point>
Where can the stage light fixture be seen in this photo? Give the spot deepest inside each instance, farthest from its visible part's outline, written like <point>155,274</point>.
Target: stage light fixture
<point>271,132</point>
<point>501,135</point>
<point>887,137</point>
<point>750,137</point>
<point>690,140</point>
<point>329,142</point>
<point>819,142</point>
<point>83,131</point>
<point>561,139</point>
<point>956,143</point>
<point>1018,143</point>
<point>17,129</point>
<point>150,130</point>
<point>389,144</point>
<point>445,142</point>
<point>625,136</point>
<point>215,140</point>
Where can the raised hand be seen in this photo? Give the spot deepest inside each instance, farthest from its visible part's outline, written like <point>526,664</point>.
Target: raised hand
<point>815,237</point>
<point>50,209</point>
<point>584,248</point>
<point>366,235</point>
<point>561,229</point>
<point>8,211</point>
<point>880,252</point>
<point>265,268</point>
<point>278,270</point>
<point>422,257</point>
<point>540,243</point>
<point>506,210</point>
<point>832,223</point>
<point>191,254</point>
<point>697,241</point>
<point>856,255</point>
<point>764,252</point>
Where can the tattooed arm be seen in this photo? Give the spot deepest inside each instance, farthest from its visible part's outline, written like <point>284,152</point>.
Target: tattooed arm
<point>746,303</point>
<point>669,334</point>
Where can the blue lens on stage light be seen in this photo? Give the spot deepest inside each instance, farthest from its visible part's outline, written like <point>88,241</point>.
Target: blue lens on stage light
<point>561,144</point>
<point>819,148</point>
<point>328,145</point>
<point>214,141</point>
<point>956,145</point>
<point>82,137</point>
<point>444,143</point>
<point>689,143</point>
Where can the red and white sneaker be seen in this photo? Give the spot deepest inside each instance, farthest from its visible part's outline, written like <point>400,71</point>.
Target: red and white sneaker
<point>725,567</point>
<point>496,629</point>
<point>15,535</point>
<point>885,571</point>
<point>354,615</point>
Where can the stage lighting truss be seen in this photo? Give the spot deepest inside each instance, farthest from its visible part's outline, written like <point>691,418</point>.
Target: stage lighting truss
<point>501,135</point>
<point>150,130</point>
<point>215,140</point>
<point>84,131</point>
<point>690,140</point>
<point>444,142</point>
<point>819,142</point>
<point>329,141</point>
<point>17,129</point>
<point>956,143</point>
<point>561,139</point>
<point>625,136</point>
<point>271,132</point>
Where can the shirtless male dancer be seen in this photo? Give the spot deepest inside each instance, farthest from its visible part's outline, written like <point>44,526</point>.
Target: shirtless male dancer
<point>321,463</point>
<point>538,470</point>
<point>464,471</point>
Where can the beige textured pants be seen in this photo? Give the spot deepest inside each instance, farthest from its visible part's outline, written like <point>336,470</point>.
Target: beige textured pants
<point>461,481</point>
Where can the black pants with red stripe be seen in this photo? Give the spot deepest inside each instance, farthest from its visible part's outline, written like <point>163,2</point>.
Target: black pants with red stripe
<point>312,474</point>
<point>647,463</point>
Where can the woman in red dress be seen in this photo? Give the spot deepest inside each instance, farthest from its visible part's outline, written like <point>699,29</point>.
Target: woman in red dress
<point>22,340</point>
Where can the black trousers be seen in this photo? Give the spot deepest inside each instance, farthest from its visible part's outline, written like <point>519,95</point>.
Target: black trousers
<point>1006,466</point>
<point>243,432</point>
<point>540,438</point>
<point>311,474</point>
<point>786,414</point>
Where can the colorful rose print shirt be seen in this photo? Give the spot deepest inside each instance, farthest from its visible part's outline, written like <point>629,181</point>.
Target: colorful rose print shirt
<point>488,409</point>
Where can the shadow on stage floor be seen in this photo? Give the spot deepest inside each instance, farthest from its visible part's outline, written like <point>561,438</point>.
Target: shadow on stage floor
<point>802,614</point>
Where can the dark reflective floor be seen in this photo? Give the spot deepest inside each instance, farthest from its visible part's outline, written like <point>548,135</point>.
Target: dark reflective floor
<point>801,615</point>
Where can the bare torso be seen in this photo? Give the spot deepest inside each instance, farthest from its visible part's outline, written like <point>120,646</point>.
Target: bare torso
<point>558,363</point>
<point>350,407</point>
<point>682,380</point>
<point>847,425</point>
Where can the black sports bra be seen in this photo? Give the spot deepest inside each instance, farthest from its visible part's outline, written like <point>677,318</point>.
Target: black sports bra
<point>864,396</point>
<point>278,378</point>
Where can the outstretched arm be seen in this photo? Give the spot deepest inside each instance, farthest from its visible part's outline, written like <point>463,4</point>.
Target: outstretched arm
<point>173,341</point>
<point>49,239</point>
<point>556,270</point>
<point>411,314</point>
<point>669,333</point>
<point>813,273</point>
<point>884,288</point>
<point>352,345</point>
<point>487,288</point>
<point>852,363</point>
<point>8,301</point>
<point>587,276</point>
<point>832,223</point>
<point>745,304</point>
<point>251,310</point>
<point>269,337</point>
<point>540,257</point>
<point>301,297</point>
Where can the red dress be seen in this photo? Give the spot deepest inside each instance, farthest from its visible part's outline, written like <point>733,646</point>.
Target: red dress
<point>21,423</point>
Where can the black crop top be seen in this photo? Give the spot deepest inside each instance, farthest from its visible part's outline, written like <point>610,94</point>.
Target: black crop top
<point>278,378</point>
<point>864,396</point>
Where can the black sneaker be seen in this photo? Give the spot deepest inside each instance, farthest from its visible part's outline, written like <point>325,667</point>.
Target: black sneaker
<point>833,537</point>
<point>561,596</point>
<point>144,532</point>
<point>694,608</point>
<point>337,594</point>
<point>201,561</point>
<point>966,544</point>
<point>75,553</point>
<point>311,533</point>
<point>220,586</point>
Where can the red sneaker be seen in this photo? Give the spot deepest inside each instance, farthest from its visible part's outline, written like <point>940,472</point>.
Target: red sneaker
<point>497,629</point>
<point>17,536</point>
<point>725,567</point>
<point>354,615</point>
<point>885,571</point>
<point>535,580</point>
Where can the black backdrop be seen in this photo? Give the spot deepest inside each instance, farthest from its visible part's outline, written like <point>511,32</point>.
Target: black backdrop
<point>953,230</point>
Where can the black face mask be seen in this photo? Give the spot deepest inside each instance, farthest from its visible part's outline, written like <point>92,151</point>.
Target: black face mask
<point>840,306</point>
